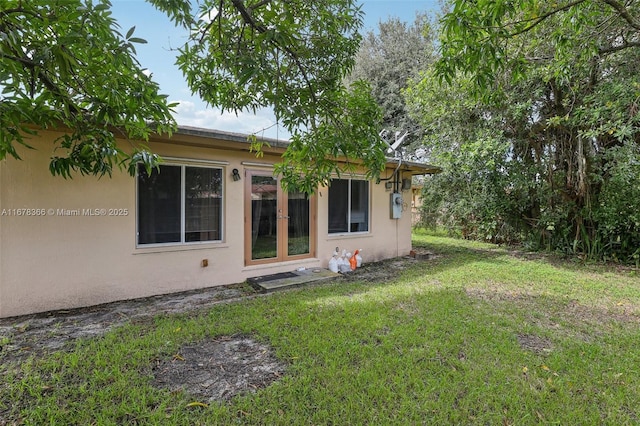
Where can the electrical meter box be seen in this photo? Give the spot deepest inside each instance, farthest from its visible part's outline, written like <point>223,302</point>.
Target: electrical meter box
<point>396,205</point>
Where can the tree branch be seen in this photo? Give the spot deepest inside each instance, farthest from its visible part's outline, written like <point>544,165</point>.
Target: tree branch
<point>260,4</point>
<point>248,18</point>
<point>623,12</point>
<point>539,19</point>
<point>246,15</point>
<point>613,49</point>
<point>45,80</point>
<point>20,10</point>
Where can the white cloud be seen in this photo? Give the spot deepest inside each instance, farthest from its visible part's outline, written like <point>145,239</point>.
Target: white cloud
<point>209,16</point>
<point>263,123</point>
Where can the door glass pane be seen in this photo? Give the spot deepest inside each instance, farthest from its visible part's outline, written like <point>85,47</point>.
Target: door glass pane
<point>203,204</point>
<point>159,205</point>
<point>264,222</point>
<point>298,229</point>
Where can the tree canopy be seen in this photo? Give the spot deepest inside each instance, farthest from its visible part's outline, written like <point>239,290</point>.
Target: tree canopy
<point>485,37</point>
<point>67,63</point>
<point>388,59</point>
<point>539,115</point>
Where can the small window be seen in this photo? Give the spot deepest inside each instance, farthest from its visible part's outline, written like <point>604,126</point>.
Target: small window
<point>179,204</point>
<point>348,206</point>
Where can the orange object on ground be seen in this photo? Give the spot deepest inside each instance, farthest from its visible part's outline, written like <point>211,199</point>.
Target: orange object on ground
<point>353,261</point>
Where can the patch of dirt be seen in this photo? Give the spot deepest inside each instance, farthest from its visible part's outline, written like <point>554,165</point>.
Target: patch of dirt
<point>536,344</point>
<point>21,337</point>
<point>385,270</point>
<point>218,370</point>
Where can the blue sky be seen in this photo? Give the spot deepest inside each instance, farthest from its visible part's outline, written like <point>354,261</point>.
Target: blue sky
<point>162,36</point>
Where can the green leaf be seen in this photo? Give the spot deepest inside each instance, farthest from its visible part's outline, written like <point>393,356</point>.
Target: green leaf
<point>137,40</point>
<point>130,32</point>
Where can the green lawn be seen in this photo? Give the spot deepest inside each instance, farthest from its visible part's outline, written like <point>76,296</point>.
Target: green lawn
<point>478,335</point>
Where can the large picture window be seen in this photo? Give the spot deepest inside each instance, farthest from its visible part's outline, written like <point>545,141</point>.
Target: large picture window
<point>348,206</point>
<point>179,204</point>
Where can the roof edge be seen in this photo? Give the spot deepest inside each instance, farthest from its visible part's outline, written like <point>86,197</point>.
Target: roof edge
<point>414,167</point>
<point>228,136</point>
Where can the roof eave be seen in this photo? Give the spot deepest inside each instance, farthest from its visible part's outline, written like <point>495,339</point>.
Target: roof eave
<point>415,168</point>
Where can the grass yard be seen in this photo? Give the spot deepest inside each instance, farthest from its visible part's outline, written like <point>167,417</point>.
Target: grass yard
<point>478,335</point>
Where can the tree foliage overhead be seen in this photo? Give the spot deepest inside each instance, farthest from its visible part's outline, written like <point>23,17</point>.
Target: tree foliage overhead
<point>485,37</point>
<point>557,84</point>
<point>67,63</point>
<point>292,56</point>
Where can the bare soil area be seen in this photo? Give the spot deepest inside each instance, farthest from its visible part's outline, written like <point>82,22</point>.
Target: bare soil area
<point>21,337</point>
<point>217,370</point>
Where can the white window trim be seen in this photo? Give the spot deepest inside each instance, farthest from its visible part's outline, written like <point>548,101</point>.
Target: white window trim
<point>369,207</point>
<point>183,164</point>
<point>180,161</point>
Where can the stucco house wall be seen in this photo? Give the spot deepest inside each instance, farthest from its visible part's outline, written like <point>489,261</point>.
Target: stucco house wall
<point>75,245</point>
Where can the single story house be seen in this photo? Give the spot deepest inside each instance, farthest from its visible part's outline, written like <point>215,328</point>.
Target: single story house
<point>215,214</point>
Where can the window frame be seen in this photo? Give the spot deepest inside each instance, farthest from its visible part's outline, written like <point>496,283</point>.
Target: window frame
<point>349,202</point>
<point>183,193</point>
